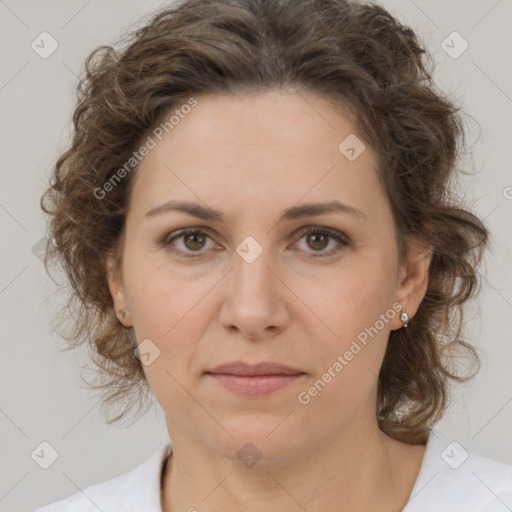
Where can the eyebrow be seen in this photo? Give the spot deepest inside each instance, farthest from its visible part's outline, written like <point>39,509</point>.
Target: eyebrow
<point>292,213</point>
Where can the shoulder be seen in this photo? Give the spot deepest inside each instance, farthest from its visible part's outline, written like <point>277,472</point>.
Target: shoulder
<point>128,491</point>
<point>451,479</point>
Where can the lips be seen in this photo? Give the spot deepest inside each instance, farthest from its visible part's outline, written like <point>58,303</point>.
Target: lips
<point>266,368</point>
<point>254,380</point>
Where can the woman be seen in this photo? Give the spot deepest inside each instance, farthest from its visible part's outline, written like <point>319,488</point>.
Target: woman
<point>256,220</point>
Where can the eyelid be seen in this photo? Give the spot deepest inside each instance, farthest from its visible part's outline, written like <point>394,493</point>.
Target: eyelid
<point>176,233</point>
<point>340,237</point>
<point>165,243</point>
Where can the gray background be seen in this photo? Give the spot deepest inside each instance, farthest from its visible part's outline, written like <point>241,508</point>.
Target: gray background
<point>42,396</point>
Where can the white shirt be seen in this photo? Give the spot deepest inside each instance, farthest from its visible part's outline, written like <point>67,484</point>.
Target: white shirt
<point>450,480</point>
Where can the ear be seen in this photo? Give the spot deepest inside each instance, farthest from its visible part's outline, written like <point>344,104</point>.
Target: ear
<point>413,279</point>
<point>117,290</point>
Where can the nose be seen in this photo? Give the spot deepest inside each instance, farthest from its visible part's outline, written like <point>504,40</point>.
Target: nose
<point>255,299</point>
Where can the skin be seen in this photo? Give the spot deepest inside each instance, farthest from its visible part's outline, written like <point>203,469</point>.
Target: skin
<point>251,157</point>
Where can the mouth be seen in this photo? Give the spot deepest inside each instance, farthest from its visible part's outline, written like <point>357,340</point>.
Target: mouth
<point>254,380</point>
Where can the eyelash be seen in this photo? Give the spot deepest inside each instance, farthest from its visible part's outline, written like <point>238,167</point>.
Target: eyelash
<point>337,236</point>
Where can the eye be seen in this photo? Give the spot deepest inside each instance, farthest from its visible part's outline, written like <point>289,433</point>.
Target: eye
<point>318,239</point>
<point>191,241</point>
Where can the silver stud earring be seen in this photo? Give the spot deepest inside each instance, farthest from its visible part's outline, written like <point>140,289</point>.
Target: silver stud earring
<point>404,317</point>
<point>122,313</point>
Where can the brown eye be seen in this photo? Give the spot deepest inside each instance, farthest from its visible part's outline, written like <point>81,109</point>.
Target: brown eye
<point>194,241</point>
<point>186,243</point>
<point>318,239</point>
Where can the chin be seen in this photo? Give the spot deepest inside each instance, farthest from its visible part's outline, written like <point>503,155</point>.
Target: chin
<point>264,437</point>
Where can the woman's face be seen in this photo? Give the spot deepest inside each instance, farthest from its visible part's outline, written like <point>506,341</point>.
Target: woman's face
<point>252,286</point>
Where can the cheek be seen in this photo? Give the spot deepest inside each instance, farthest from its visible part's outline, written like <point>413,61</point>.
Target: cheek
<point>351,313</point>
<point>355,294</point>
<point>349,357</point>
<point>171,312</point>
<point>161,297</point>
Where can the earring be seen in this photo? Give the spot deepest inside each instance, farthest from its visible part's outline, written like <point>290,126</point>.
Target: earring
<point>122,313</point>
<point>404,317</point>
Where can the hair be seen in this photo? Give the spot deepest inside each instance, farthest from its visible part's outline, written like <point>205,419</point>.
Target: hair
<point>356,54</point>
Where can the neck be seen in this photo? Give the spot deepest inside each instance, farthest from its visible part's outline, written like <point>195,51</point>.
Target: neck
<point>358,470</point>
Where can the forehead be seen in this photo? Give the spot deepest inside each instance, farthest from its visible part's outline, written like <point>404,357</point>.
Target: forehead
<point>258,150</point>
<point>270,118</point>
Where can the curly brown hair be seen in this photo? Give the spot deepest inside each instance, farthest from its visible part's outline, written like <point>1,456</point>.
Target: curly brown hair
<point>358,54</point>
